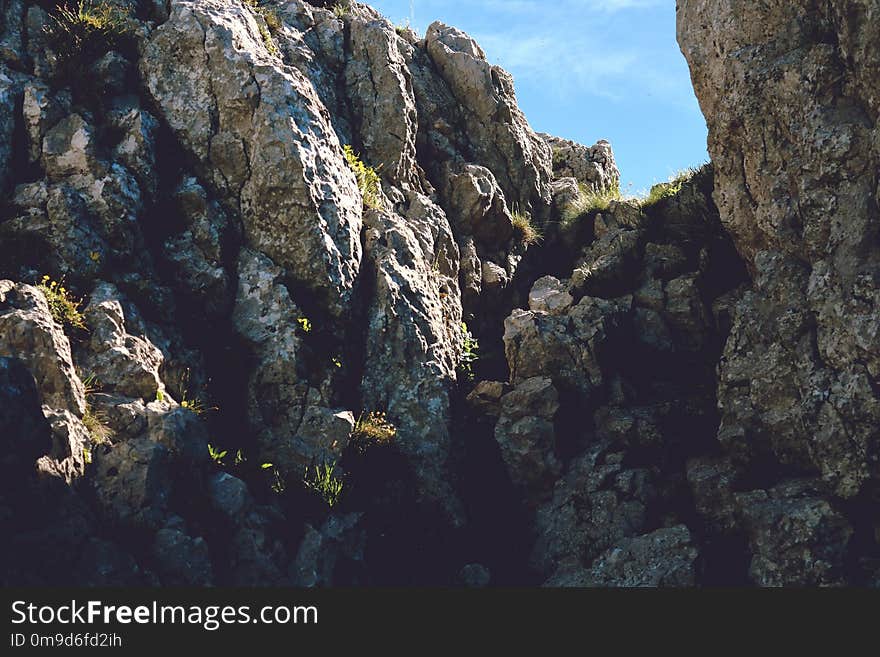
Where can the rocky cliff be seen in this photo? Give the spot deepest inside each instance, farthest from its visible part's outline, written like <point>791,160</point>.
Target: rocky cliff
<point>249,251</point>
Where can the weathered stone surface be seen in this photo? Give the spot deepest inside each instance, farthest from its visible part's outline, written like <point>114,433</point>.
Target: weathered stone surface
<point>196,253</point>
<point>499,132</point>
<point>796,539</point>
<point>126,364</point>
<point>10,92</point>
<point>596,504</point>
<point>263,140</point>
<point>663,558</point>
<point>486,397</point>
<point>181,559</point>
<point>340,539</point>
<point>793,145</point>
<point>28,332</point>
<point>292,422</point>
<point>549,295</point>
<point>133,484</point>
<point>54,221</point>
<point>567,347</point>
<point>413,337</point>
<point>379,86</point>
<point>41,110</point>
<point>593,166</point>
<point>524,433</point>
<point>69,440</point>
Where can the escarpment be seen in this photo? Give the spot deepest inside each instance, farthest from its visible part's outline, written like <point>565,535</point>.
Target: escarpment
<point>290,296</point>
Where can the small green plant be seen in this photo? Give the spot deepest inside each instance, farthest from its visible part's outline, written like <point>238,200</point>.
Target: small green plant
<point>403,28</point>
<point>304,324</point>
<point>277,483</point>
<point>193,405</point>
<point>367,179</point>
<point>272,25</point>
<point>589,201</point>
<point>342,8</point>
<point>523,229</point>
<point>273,20</point>
<point>160,396</point>
<point>196,406</point>
<point>62,304</point>
<point>372,429</point>
<point>324,482</point>
<point>469,352</point>
<point>671,187</point>
<point>268,41</point>
<point>87,455</point>
<point>216,455</point>
<point>86,29</point>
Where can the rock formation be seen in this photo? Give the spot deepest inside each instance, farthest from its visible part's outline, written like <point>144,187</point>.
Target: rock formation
<point>248,249</point>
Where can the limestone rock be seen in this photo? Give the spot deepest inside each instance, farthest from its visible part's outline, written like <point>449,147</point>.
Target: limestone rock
<point>549,295</point>
<point>413,337</point>
<point>132,483</point>
<point>663,558</point>
<point>503,140</point>
<point>28,332</point>
<point>262,138</point>
<point>125,364</point>
<point>322,551</point>
<point>567,346</point>
<point>593,166</point>
<point>525,434</point>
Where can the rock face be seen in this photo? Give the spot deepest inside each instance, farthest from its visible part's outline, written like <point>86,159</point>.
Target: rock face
<point>262,139</point>
<point>793,143</point>
<point>288,362</point>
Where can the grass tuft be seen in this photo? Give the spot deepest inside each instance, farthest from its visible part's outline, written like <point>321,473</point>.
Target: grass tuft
<point>589,202</point>
<point>671,187</point>
<point>324,482</point>
<point>342,8</point>
<point>85,30</point>
<point>523,229</point>
<point>94,420</point>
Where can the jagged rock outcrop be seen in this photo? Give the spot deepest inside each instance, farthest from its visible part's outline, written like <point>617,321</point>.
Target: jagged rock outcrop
<point>262,139</point>
<point>793,143</point>
<point>677,393</point>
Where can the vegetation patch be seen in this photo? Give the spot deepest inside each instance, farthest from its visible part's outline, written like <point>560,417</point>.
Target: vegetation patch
<point>469,353</point>
<point>588,202</point>
<point>367,179</point>
<point>672,187</point>
<point>323,480</point>
<point>62,304</point>
<point>94,420</point>
<point>217,455</point>
<point>342,8</point>
<point>372,429</point>
<point>86,30</point>
<point>526,233</point>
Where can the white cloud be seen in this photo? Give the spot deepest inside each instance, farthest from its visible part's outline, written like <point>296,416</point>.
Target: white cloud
<point>569,45</point>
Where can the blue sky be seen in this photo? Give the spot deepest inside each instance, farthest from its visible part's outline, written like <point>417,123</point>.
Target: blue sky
<point>588,70</point>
